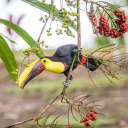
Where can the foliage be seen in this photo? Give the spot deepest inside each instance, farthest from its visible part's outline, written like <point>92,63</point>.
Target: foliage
<point>6,50</point>
<point>8,58</point>
<point>22,33</point>
<point>46,8</point>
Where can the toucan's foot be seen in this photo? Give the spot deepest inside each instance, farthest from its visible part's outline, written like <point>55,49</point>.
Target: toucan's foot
<point>76,50</point>
<point>65,84</point>
<point>71,78</point>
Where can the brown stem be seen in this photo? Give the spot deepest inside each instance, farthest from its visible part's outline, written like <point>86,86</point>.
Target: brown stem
<point>67,79</point>
<point>44,110</point>
<point>18,123</point>
<point>78,25</point>
<point>79,37</point>
<point>38,40</point>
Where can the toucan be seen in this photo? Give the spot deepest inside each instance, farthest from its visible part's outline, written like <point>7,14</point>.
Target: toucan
<point>59,62</point>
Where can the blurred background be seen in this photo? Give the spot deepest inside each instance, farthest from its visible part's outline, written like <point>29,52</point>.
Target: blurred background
<point>17,104</point>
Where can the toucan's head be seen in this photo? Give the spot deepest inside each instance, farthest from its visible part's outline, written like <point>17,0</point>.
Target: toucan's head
<point>37,67</point>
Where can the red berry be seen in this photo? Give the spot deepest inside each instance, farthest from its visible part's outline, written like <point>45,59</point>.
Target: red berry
<point>122,36</point>
<point>112,36</point>
<point>86,118</point>
<point>88,115</point>
<point>71,125</point>
<point>91,113</point>
<point>87,123</point>
<point>81,121</point>
<point>90,118</point>
<point>94,118</point>
<point>96,112</point>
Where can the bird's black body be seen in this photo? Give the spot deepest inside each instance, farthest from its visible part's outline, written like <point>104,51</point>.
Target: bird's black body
<point>65,55</point>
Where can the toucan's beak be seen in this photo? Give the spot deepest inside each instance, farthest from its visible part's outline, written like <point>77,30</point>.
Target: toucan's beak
<point>30,72</point>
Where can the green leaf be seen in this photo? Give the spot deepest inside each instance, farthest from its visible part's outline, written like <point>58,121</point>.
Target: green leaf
<point>24,35</point>
<point>8,58</point>
<point>46,9</point>
<point>9,39</point>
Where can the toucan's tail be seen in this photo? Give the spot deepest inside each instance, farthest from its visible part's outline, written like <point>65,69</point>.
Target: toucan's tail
<point>92,64</point>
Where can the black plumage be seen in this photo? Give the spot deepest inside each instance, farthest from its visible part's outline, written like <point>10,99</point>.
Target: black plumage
<point>65,55</point>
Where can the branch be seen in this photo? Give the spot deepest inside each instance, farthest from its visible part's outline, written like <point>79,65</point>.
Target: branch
<point>48,106</point>
<point>18,123</point>
<point>78,25</point>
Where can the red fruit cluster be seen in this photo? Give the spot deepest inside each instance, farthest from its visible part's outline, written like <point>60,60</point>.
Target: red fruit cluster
<point>104,29</point>
<point>92,17</point>
<point>113,33</point>
<point>87,123</point>
<point>121,22</point>
<point>121,15</point>
<point>69,126</point>
<point>103,26</point>
<point>90,116</point>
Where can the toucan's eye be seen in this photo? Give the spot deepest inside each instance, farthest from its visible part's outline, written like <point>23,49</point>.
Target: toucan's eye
<point>44,61</point>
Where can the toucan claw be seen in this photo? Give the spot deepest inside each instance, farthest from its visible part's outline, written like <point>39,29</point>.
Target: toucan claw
<point>65,84</point>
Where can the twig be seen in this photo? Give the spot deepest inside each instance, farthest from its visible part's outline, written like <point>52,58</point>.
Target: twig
<point>38,40</point>
<point>44,110</point>
<point>69,74</point>
<point>78,25</point>
<point>18,123</point>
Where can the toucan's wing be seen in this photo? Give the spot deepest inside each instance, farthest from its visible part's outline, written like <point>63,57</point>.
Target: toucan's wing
<point>64,54</point>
